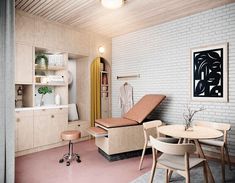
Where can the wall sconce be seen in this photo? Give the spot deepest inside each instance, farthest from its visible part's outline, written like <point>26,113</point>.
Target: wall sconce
<point>101,49</point>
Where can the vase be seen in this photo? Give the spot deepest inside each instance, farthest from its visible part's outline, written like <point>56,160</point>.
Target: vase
<point>41,101</point>
<point>57,99</point>
<point>188,126</point>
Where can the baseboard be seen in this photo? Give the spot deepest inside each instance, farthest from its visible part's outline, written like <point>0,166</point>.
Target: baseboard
<point>125,155</point>
<point>46,147</point>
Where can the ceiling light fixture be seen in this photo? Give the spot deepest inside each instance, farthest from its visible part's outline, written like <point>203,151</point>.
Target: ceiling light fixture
<point>112,4</point>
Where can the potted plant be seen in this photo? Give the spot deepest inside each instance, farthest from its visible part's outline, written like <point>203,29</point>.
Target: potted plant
<point>41,59</point>
<point>43,90</point>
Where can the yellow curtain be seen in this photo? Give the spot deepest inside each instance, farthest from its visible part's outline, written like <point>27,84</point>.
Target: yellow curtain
<point>95,90</point>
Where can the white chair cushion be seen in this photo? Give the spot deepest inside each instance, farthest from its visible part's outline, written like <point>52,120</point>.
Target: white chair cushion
<point>217,143</point>
<point>177,162</point>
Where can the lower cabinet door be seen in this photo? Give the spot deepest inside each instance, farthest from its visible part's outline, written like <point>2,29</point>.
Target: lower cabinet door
<point>59,124</point>
<point>42,130</point>
<point>24,131</point>
<point>48,128</point>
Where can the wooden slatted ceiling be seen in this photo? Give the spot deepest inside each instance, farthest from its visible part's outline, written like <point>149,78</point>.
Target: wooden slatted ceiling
<point>89,15</point>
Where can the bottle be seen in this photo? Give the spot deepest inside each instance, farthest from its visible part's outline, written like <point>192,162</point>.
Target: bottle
<point>20,91</point>
<point>57,99</point>
<point>105,79</point>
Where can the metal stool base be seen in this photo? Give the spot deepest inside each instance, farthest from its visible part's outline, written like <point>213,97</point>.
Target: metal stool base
<point>70,156</point>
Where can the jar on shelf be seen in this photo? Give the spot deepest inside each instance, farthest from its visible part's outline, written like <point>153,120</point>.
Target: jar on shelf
<point>105,79</point>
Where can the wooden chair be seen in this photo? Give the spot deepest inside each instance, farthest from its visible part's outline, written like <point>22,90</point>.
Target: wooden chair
<point>175,157</point>
<point>222,144</point>
<point>147,126</point>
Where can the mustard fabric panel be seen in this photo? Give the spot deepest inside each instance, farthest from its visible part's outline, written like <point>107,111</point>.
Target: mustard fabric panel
<point>95,91</point>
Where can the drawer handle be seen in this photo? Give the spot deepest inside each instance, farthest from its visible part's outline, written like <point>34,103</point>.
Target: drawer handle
<point>52,116</point>
<point>43,109</point>
<point>18,120</point>
<point>79,125</point>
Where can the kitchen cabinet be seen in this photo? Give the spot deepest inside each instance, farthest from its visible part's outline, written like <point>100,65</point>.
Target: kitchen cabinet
<point>48,124</point>
<point>24,130</point>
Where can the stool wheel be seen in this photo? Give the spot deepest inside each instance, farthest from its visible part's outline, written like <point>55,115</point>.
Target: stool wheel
<point>61,161</point>
<point>67,163</point>
<point>78,160</point>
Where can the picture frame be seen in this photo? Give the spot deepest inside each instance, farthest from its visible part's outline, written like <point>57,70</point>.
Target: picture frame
<point>209,73</point>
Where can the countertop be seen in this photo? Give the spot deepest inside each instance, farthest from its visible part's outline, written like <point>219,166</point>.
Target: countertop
<point>41,107</point>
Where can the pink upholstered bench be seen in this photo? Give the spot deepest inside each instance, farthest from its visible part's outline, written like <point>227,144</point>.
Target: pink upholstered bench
<point>118,135</point>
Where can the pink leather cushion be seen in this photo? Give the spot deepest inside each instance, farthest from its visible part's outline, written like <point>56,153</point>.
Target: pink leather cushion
<point>70,135</point>
<point>115,122</point>
<point>144,107</point>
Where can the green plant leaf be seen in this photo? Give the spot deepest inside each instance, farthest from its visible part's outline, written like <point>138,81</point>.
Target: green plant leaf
<point>44,90</point>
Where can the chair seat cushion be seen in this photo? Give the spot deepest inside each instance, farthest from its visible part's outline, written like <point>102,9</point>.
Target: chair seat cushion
<point>217,143</point>
<point>177,162</point>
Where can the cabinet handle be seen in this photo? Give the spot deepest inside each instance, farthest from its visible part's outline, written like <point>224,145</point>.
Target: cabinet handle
<point>79,125</point>
<point>43,109</point>
<point>52,116</point>
<point>18,120</point>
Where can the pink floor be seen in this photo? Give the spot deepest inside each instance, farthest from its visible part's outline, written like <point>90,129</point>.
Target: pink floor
<point>43,167</point>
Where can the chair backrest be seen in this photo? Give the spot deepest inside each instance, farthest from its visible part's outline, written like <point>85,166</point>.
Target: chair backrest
<point>149,128</point>
<point>173,149</point>
<point>224,127</point>
<point>152,124</point>
<point>217,126</point>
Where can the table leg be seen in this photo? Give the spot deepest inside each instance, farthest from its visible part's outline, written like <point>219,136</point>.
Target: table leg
<point>201,154</point>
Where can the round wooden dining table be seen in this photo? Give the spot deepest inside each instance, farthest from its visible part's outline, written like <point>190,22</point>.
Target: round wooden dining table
<point>196,133</point>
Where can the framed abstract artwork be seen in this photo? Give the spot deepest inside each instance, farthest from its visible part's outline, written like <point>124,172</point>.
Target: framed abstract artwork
<point>209,73</point>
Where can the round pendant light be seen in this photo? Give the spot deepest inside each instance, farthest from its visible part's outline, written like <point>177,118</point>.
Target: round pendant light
<point>112,4</point>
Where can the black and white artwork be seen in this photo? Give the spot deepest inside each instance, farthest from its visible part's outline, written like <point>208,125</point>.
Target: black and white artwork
<point>209,73</point>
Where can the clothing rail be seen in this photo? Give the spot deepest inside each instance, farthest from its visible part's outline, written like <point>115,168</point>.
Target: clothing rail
<point>129,76</point>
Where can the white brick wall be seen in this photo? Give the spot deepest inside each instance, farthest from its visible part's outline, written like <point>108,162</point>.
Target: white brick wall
<point>161,55</point>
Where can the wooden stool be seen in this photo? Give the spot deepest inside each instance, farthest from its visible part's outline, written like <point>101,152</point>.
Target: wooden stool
<point>70,156</point>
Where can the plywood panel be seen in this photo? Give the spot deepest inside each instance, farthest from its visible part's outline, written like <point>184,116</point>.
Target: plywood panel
<point>24,28</point>
<point>24,64</point>
<point>24,130</point>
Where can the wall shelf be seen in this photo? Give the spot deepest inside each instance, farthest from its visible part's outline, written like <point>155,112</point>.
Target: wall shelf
<point>50,84</point>
<point>50,68</point>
